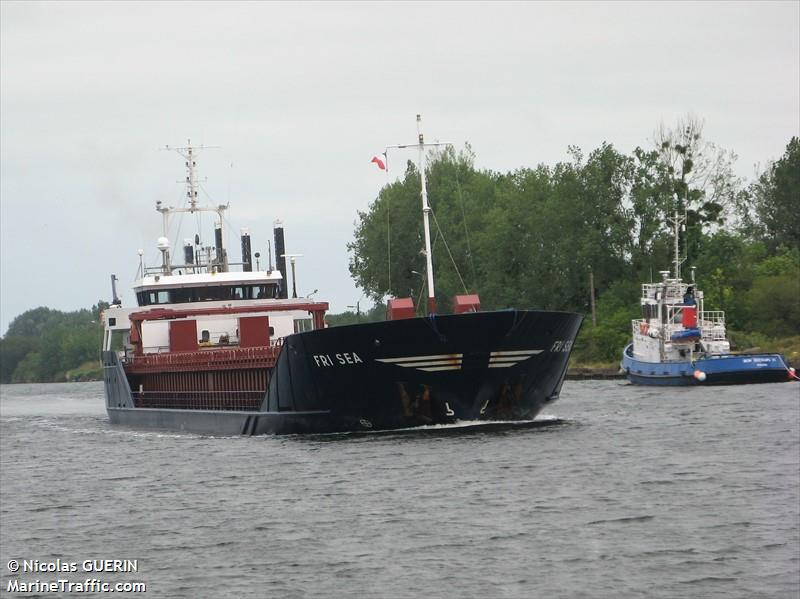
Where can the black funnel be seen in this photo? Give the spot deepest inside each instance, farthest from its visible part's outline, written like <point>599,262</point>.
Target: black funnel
<point>188,252</point>
<point>280,259</point>
<point>247,256</point>
<point>222,253</point>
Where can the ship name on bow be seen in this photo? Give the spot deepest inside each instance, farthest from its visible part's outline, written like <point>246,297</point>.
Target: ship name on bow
<point>343,359</point>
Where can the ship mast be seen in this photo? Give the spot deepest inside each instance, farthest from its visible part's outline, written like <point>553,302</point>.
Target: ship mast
<point>188,154</point>
<point>677,221</point>
<point>426,209</point>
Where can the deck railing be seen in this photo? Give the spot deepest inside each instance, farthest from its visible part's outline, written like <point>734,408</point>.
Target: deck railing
<point>199,400</point>
<point>672,291</point>
<point>217,358</point>
<point>711,325</point>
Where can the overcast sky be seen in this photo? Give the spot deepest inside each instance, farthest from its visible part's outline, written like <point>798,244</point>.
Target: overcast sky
<point>300,96</point>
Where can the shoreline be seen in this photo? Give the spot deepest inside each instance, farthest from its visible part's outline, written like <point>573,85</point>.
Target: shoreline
<point>585,373</point>
<point>574,373</point>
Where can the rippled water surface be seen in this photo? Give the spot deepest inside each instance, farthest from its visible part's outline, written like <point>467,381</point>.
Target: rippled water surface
<point>626,491</point>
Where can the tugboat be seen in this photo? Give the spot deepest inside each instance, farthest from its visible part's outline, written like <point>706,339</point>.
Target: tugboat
<point>678,342</point>
<point>212,350</point>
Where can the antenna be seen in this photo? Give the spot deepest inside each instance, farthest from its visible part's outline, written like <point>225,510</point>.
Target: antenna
<point>292,258</point>
<point>191,176</point>
<point>163,247</point>
<point>426,209</point>
<point>140,273</point>
<point>677,221</point>
<point>188,153</point>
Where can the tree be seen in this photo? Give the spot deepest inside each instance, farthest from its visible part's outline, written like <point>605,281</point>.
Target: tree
<point>41,345</point>
<point>701,174</point>
<point>776,198</point>
<point>33,323</point>
<point>12,351</point>
<point>387,252</point>
<point>725,271</point>
<point>651,203</point>
<point>387,240</point>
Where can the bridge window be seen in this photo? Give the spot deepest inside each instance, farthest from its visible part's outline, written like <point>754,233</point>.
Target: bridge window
<point>303,324</point>
<point>158,297</point>
<point>216,293</point>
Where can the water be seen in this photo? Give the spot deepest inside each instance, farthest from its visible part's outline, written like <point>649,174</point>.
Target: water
<point>628,492</point>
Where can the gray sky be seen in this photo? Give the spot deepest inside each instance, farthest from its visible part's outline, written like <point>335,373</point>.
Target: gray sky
<point>299,97</point>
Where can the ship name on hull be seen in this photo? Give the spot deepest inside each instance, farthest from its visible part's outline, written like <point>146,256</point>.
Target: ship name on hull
<point>343,359</point>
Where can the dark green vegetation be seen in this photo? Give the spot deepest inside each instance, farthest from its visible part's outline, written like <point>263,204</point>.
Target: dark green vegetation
<point>530,238</point>
<point>44,345</point>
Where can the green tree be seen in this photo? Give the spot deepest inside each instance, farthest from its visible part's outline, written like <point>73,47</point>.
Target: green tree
<point>725,271</point>
<point>702,177</point>
<point>374,314</point>
<point>41,345</point>
<point>650,204</point>
<point>776,308</point>
<point>33,323</point>
<point>387,252</point>
<point>12,351</point>
<point>776,197</point>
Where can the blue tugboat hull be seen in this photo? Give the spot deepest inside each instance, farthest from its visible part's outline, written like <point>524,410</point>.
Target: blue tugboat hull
<point>723,369</point>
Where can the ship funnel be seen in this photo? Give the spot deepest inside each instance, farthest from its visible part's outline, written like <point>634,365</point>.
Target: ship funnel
<point>188,252</point>
<point>221,260</point>
<point>280,258</point>
<point>247,257</point>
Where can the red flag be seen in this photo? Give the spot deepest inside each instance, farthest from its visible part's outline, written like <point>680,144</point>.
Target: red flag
<point>380,161</point>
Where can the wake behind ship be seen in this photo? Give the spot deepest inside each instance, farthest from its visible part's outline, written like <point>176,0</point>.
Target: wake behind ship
<point>214,350</point>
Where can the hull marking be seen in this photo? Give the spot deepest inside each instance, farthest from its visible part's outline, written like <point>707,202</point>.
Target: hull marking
<point>439,362</point>
<point>431,363</point>
<point>508,358</point>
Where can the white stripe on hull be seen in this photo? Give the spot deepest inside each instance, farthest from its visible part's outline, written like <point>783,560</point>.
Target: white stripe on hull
<point>434,358</point>
<point>440,362</point>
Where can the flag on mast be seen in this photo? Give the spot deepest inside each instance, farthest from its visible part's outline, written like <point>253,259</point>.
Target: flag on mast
<point>380,160</point>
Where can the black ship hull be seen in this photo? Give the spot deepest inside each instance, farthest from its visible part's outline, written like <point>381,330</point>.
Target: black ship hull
<point>504,366</point>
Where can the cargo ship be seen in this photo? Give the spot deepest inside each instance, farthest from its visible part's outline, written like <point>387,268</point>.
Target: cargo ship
<point>678,342</point>
<point>217,347</point>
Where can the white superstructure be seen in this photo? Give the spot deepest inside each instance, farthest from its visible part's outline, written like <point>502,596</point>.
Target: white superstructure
<point>675,325</point>
<point>202,287</point>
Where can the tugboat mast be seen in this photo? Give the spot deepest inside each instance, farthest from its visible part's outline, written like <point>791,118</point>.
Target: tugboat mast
<point>426,209</point>
<point>677,221</point>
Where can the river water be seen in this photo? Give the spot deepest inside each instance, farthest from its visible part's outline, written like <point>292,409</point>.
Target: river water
<point>623,492</point>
